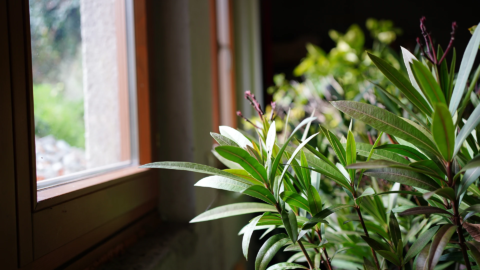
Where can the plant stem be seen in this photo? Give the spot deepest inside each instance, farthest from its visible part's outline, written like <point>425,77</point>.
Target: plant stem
<point>306,255</point>
<point>456,219</point>
<point>359,213</point>
<point>329,266</point>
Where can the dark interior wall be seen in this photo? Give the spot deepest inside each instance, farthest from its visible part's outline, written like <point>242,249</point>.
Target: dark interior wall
<point>288,25</point>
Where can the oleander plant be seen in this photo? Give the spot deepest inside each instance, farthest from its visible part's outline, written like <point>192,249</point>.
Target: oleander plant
<point>407,199</point>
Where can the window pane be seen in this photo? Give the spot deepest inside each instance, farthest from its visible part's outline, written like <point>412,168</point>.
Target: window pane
<point>80,87</point>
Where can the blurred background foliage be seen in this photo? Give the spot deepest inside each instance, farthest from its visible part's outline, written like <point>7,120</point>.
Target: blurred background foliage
<point>343,73</point>
<point>57,70</point>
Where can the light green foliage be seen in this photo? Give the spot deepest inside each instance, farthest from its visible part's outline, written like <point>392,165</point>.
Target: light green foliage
<point>58,116</point>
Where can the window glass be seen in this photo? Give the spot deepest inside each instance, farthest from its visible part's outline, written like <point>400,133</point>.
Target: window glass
<point>82,100</point>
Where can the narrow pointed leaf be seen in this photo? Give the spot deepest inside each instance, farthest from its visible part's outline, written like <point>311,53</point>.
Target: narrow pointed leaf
<point>223,140</point>
<point>394,229</point>
<point>270,141</point>
<point>402,84</point>
<point>294,199</point>
<point>422,258</point>
<point>285,266</point>
<point>443,131</point>
<point>428,83</point>
<point>468,178</point>
<point>474,250</point>
<point>314,200</point>
<point>290,222</point>
<point>293,156</point>
<point>244,175</point>
<point>464,72</point>
<point>408,58</point>
<point>376,245</point>
<point>367,192</point>
<point>404,151</point>
<point>269,249</point>
<point>248,234</point>
<point>421,210</point>
<point>390,256</point>
<point>318,155</point>
<point>364,149</point>
<point>235,136</point>
<point>447,193</point>
<point>403,176</point>
<point>261,193</point>
<point>420,243</point>
<point>401,104</point>
<point>233,210</point>
<point>305,171</point>
<point>473,230</point>
<point>386,122</point>
<point>351,152</point>
<point>278,158</point>
<point>220,182</point>
<point>249,163</point>
<point>336,145</point>
<point>192,167</point>
<point>320,216</point>
<point>467,129</point>
<point>438,244</point>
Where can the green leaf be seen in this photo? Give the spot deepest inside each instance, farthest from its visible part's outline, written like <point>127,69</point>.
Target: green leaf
<point>290,222</point>
<point>367,192</point>
<point>324,168</point>
<point>270,141</point>
<point>394,229</point>
<point>451,76</point>
<point>305,171</point>
<point>320,216</point>
<point>351,152</point>
<point>269,249</point>
<point>447,193</point>
<point>390,256</point>
<point>193,167</point>
<point>424,210</point>
<point>233,210</point>
<point>336,145</point>
<point>402,84</point>
<point>376,245</point>
<point>314,200</point>
<point>443,131</point>
<point>438,244</point>
<point>468,178</point>
<point>278,158</point>
<point>428,83</point>
<point>222,140</point>
<point>235,136</point>
<point>421,242</point>
<point>474,250</point>
<point>318,155</point>
<point>386,122</point>
<point>284,266</point>
<point>364,149</point>
<point>296,247</point>
<point>294,199</point>
<point>248,234</point>
<point>368,265</point>
<point>401,104</point>
<point>408,58</point>
<point>403,176</point>
<point>422,259</point>
<point>464,72</point>
<point>293,156</point>
<point>260,193</point>
<point>245,175</point>
<point>243,158</point>
<point>443,72</point>
<point>403,150</point>
<point>220,182</point>
<point>467,129</point>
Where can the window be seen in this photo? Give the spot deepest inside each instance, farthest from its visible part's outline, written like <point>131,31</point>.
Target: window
<point>83,88</point>
<point>79,211</point>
